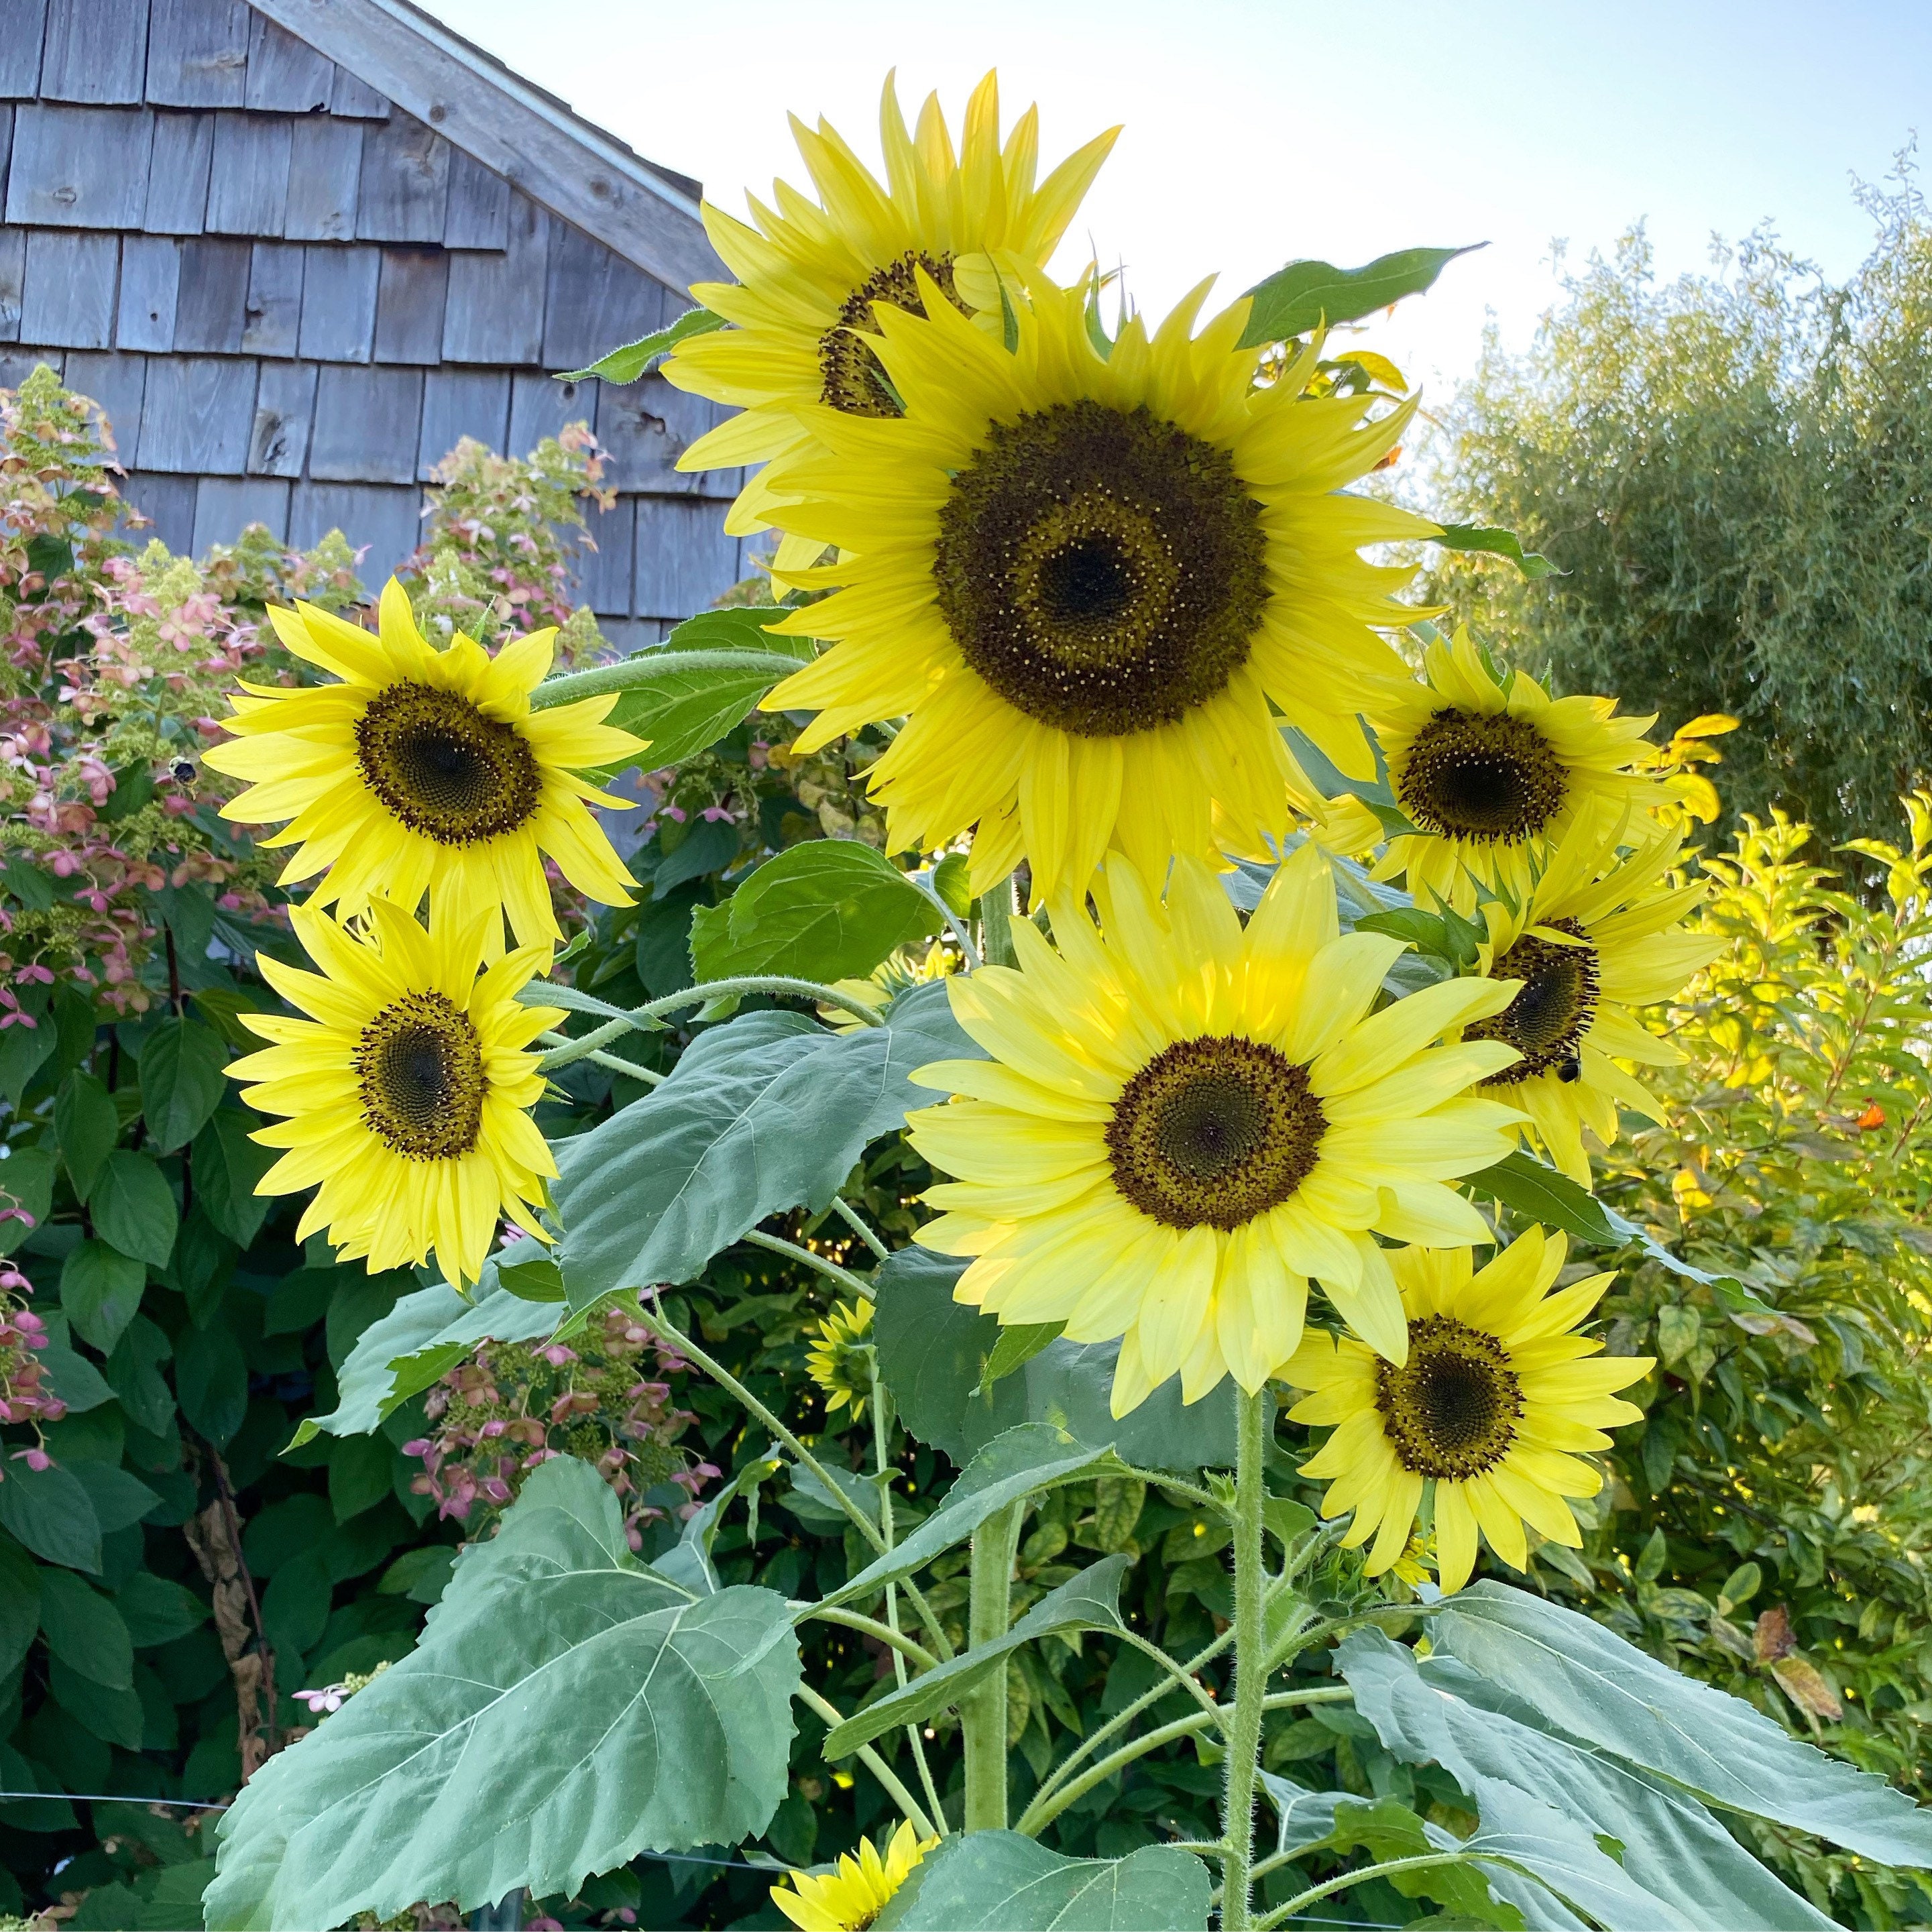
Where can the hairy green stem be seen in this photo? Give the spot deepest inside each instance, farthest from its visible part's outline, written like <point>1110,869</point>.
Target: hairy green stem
<point>1180,1678</point>
<point>889,1634</point>
<point>857,1223</point>
<point>908,1804</point>
<point>1251,1671</point>
<point>1343,1880</point>
<point>614,1062</point>
<point>629,672</point>
<point>881,1447</point>
<point>778,1245</point>
<point>983,1712</point>
<point>1031,1823</point>
<point>639,1018</point>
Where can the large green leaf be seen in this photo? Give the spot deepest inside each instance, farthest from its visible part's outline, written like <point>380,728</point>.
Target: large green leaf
<point>85,1630</point>
<point>50,1512</point>
<point>1444,1713</point>
<point>933,1353</point>
<point>1307,295</point>
<point>633,359</point>
<point>565,1710</point>
<point>766,1113</point>
<point>679,700</point>
<point>134,1374</point>
<point>1497,543</point>
<point>134,1208</point>
<point>227,1164</point>
<point>407,1350</point>
<point>19,1603</point>
<point>829,909</point>
<point>1033,1456</point>
<point>182,1081</point>
<point>999,1881</point>
<point>1587,1683</point>
<point>86,1125</point>
<point>100,1289</point>
<point>1089,1601</point>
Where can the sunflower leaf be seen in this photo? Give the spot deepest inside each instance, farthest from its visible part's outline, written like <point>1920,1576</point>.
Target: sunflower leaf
<point>633,359</point>
<point>979,1880</point>
<point>562,1692</point>
<point>1308,296</point>
<point>1497,543</point>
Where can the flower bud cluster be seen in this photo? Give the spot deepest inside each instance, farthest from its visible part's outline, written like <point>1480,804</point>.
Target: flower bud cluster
<point>25,1396</point>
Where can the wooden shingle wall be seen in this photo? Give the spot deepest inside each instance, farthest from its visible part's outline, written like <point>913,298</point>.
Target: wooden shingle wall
<point>291,298</point>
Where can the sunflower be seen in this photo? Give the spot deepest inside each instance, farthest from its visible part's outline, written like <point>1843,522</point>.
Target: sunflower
<point>810,273</point>
<point>1592,941</point>
<point>426,770</point>
<point>1085,576</point>
<point>1491,1407</point>
<point>841,1358</point>
<point>1489,768</point>
<point>407,1092</point>
<point>850,1898</point>
<point>1182,1122</point>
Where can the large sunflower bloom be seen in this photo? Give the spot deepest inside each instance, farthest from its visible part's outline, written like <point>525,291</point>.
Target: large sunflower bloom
<point>1492,769</point>
<point>1592,941</point>
<point>407,1091</point>
<point>1491,1408</point>
<point>1182,1122</point>
<point>426,770</point>
<point>1084,577</point>
<point>810,273</point>
<point>849,1899</point>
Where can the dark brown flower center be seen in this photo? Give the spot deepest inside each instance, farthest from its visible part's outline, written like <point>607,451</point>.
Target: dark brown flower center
<point>421,1069</point>
<point>1450,1410</point>
<point>851,377</point>
<point>444,769</point>
<point>1485,776</point>
<point>1214,1131</point>
<point>1103,570</point>
<point>1546,1022</point>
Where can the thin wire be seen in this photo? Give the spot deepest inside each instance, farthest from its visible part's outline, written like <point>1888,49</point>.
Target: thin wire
<point>116,1797</point>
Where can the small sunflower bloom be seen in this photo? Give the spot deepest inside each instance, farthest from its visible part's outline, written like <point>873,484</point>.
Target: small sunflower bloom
<point>811,274</point>
<point>1493,1408</point>
<point>1183,1121</point>
<point>850,1898</point>
<point>1592,945</point>
<point>1491,770</point>
<point>426,771</point>
<point>840,1359</point>
<point>407,1091</point>
<point>1094,584</point>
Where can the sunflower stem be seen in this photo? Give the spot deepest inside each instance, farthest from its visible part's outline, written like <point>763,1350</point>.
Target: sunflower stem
<point>983,1713</point>
<point>909,1806</point>
<point>641,1017</point>
<point>649,666</point>
<point>1251,1670</point>
<point>882,1433</point>
<point>996,925</point>
<point>777,1245</point>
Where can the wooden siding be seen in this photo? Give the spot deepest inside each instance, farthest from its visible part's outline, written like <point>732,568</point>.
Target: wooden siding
<point>290,296</point>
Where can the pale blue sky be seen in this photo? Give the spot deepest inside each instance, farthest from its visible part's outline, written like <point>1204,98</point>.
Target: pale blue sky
<point>1258,130</point>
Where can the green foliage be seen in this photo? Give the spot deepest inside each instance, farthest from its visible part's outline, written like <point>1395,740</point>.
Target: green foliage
<point>1730,473</point>
<point>998,1880</point>
<point>1308,296</point>
<point>636,359</point>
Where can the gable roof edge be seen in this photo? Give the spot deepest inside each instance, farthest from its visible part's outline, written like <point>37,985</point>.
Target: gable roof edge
<point>578,171</point>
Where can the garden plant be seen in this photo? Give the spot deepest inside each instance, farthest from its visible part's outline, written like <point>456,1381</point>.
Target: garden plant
<point>1106,999</point>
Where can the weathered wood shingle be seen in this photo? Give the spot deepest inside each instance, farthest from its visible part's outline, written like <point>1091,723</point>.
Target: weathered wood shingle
<point>20,47</point>
<point>496,312</point>
<point>284,408</point>
<point>458,403</point>
<point>479,205</point>
<point>275,270</point>
<point>593,300</point>
<point>78,167</point>
<point>224,506</point>
<point>285,75</point>
<point>324,175</point>
<point>365,425</point>
<point>96,50</point>
<point>197,415</point>
<point>13,278</point>
<point>118,383</point>
<point>177,178</point>
<point>67,299</point>
<point>248,179</point>
<point>150,285</point>
<point>212,310</point>
<point>197,52</point>
<point>405,182</point>
<point>409,299</point>
<point>338,315</point>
